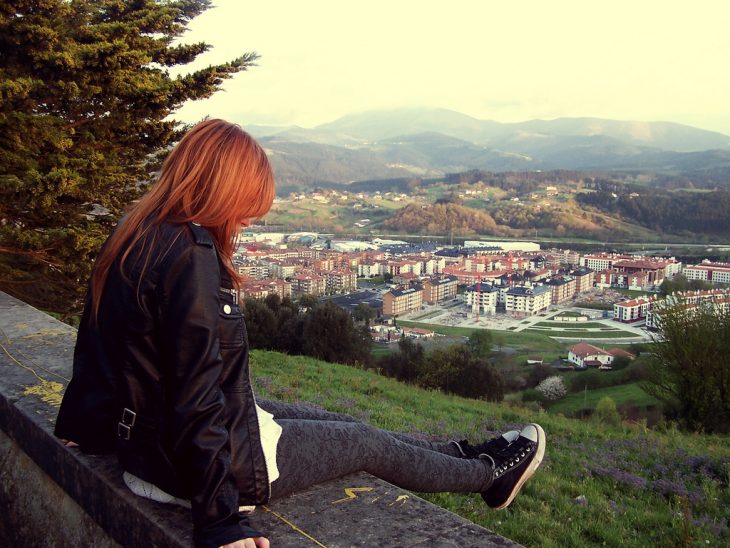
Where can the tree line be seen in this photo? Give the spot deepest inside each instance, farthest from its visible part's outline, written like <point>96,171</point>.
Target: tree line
<point>329,333</point>
<point>442,217</point>
<point>463,369</point>
<point>306,327</point>
<point>664,211</point>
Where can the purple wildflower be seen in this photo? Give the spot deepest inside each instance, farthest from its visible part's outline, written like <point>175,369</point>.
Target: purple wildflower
<point>620,476</point>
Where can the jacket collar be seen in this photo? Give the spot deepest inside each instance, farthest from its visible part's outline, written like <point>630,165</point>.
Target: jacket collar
<point>201,235</point>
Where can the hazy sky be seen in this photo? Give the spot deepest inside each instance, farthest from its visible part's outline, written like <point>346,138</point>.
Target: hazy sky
<point>499,60</point>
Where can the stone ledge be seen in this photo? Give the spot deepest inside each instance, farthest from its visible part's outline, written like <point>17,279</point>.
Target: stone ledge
<point>35,365</point>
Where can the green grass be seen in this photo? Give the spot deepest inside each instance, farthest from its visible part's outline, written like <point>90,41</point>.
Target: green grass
<point>524,339</point>
<point>577,334</point>
<point>382,350</point>
<point>569,313</point>
<point>595,306</point>
<point>623,394</point>
<point>576,325</point>
<point>631,293</point>
<point>582,459</point>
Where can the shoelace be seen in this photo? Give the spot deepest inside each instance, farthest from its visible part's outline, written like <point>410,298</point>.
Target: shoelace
<point>512,455</point>
<point>490,447</point>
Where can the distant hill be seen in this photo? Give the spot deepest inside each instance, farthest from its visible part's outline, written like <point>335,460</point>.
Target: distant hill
<point>432,142</point>
<point>385,124</point>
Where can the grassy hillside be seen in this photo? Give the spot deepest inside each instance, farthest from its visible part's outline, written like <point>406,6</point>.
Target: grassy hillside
<point>622,395</point>
<point>640,487</point>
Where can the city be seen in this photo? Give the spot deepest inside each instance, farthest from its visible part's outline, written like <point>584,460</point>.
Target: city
<point>506,286</point>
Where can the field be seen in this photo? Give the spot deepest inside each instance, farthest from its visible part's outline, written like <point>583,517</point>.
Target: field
<point>623,394</point>
<point>534,340</point>
<point>599,485</point>
<point>583,334</point>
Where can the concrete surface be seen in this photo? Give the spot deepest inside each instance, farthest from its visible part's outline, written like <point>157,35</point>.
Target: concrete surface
<point>56,496</point>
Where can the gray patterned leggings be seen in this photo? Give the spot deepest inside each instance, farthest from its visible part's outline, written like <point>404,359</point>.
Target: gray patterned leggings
<point>317,446</point>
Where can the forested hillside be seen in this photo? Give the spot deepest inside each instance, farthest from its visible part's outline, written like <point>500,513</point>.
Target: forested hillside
<point>440,218</point>
<point>700,212</point>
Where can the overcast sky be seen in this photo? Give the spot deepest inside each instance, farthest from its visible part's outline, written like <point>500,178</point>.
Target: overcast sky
<point>500,60</point>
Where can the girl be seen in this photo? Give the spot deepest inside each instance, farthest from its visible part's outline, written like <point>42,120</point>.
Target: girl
<point>161,372</point>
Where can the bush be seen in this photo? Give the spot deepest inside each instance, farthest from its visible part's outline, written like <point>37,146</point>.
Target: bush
<point>552,388</point>
<point>620,362</point>
<point>515,384</point>
<point>532,394</point>
<point>589,380</point>
<point>538,374</point>
<point>638,370</point>
<point>606,412</point>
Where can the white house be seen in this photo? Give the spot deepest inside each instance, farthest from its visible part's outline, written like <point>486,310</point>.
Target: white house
<point>587,355</point>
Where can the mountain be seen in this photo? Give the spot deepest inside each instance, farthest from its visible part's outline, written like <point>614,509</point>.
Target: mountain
<point>664,135</point>
<point>386,124</point>
<point>305,163</point>
<point>432,142</point>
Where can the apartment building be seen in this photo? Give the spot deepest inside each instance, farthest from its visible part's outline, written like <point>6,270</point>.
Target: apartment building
<point>602,261</point>
<point>284,268</point>
<point>633,310</point>
<point>709,272</point>
<point>527,300</point>
<point>310,283</point>
<point>438,289</point>
<point>259,289</point>
<point>689,300</point>
<point>636,281</point>
<point>402,301</point>
<point>653,270</point>
<point>562,288</point>
<point>254,270</point>
<point>339,281</point>
<point>482,299</point>
<point>480,264</point>
<point>583,279</point>
<point>368,269</point>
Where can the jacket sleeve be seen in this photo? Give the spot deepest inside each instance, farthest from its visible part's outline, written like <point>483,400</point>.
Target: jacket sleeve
<point>195,433</point>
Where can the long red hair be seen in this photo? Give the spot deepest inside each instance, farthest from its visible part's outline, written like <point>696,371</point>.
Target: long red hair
<point>217,176</point>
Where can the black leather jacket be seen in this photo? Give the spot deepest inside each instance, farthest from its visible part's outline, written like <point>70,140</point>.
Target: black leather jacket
<point>170,347</point>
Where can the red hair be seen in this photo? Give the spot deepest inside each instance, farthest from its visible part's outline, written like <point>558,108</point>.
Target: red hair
<point>217,176</point>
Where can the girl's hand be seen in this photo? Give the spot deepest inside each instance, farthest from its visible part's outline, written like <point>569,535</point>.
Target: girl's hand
<point>258,542</point>
<point>68,443</point>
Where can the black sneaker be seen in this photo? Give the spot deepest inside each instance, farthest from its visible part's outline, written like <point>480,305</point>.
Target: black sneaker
<point>490,447</point>
<point>514,465</point>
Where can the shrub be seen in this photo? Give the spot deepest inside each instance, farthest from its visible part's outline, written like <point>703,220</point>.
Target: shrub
<point>638,370</point>
<point>606,411</point>
<point>552,388</point>
<point>532,395</point>
<point>620,362</point>
<point>593,378</point>
<point>515,384</point>
<point>538,374</point>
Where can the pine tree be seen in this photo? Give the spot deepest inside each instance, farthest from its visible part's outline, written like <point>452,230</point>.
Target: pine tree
<point>85,100</point>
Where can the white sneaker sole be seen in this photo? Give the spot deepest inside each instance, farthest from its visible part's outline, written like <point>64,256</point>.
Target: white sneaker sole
<point>531,468</point>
